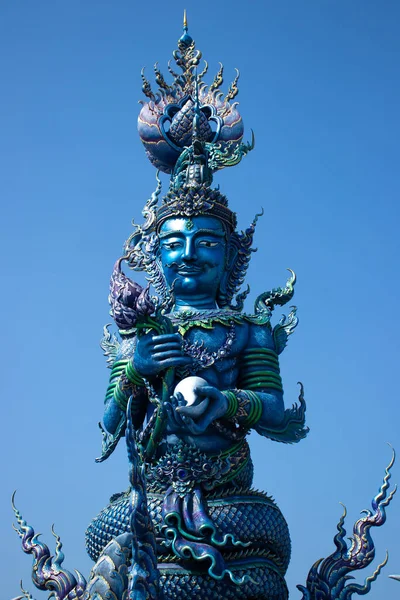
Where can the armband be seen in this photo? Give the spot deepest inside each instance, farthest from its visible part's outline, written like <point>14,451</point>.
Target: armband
<point>133,376</point>
<point>123,378</point>
<point>260,369</point>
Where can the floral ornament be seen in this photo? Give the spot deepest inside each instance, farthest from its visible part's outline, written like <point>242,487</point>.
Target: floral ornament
<point>132,309</point>
<point>130,303</point>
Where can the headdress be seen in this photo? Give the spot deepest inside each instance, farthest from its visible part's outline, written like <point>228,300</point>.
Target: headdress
<point>190,131</point>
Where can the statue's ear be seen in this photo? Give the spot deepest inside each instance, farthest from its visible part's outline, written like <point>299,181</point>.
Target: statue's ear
<point>237,262</point>
<point>226,289</point>
<point>231,254</point>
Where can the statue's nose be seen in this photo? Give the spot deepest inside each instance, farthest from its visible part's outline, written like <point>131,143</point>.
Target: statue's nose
<point>189,252</point>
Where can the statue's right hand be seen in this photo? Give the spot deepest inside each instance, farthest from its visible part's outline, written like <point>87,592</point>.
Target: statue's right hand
<point>155,353</point>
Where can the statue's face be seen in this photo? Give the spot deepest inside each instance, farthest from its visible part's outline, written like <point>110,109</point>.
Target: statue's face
<point>193,255</point>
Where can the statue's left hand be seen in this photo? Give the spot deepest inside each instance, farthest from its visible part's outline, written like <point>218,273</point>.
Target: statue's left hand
<point>197,417</point>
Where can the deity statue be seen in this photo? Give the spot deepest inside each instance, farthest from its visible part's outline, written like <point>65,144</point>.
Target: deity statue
<point>201,373</point>
<point>192,374</point>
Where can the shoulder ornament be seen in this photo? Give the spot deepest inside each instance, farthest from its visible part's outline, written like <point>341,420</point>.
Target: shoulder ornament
<point>267,301</point>
<point>265,304</point>
<point>283,329</point>
<point>110,345</point>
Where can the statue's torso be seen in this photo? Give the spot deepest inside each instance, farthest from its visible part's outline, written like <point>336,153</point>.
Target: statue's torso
<point>220,346</point>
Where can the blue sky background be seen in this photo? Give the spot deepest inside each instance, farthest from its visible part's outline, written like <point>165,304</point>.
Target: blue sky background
<point>320,87</point>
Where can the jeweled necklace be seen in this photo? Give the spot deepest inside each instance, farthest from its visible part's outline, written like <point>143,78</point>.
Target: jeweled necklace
<point>203,359</point>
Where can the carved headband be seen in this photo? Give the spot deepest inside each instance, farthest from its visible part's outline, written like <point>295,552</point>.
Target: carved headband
<point>195,201</point>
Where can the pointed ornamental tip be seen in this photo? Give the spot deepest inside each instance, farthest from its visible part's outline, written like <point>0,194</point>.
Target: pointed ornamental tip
<point>185,38</point>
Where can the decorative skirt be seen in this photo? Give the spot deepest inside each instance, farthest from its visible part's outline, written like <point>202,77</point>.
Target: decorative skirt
<point>215,544</point>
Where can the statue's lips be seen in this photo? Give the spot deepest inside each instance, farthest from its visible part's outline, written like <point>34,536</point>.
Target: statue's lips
<point>189,270</point>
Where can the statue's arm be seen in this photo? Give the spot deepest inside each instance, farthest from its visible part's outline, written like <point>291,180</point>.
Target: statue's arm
<point>258,401</point>
<point>124,382</point>
<point>260,372</point>
<point>146,357</point>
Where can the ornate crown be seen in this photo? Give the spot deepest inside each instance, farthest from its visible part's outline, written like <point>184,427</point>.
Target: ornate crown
<point>167,120</point>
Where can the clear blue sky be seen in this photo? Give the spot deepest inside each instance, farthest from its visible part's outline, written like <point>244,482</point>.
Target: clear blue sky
<point>320,87</point>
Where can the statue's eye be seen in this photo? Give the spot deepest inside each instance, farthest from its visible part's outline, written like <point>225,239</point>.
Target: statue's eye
<point>207,244</point>
<point>172,245</point>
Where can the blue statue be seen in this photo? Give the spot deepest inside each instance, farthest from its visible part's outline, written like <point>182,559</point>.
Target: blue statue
<point>201,373</point>
<point>191,375</point>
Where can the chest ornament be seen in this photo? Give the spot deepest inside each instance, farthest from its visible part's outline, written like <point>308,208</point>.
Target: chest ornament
<point>190,319</point>
<point>202,358</point>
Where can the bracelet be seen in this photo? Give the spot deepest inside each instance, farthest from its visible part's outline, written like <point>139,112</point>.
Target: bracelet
<point>245,405</point>
<point>233,404</point>
<point>253,408</point>
<point>123,390</point>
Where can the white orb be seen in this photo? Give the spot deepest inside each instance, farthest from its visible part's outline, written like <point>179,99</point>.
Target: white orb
<point>187,387</point>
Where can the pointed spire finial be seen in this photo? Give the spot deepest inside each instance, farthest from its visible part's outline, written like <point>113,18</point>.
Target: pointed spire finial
<point>185,37</point>
<point>196,116</point>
